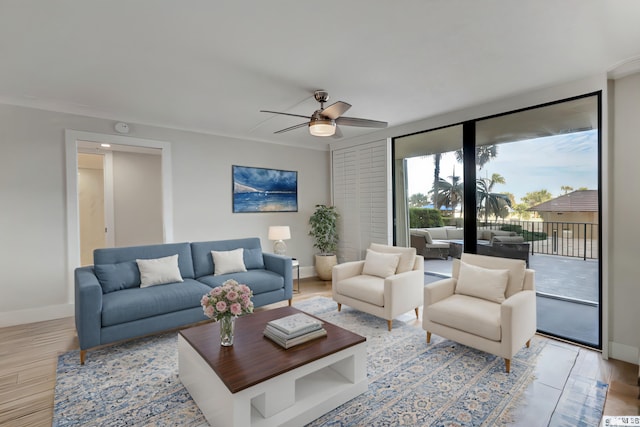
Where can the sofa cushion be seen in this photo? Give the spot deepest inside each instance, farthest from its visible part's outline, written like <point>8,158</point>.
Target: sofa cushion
<point>253,258</point>
<point>407,255</point>
<point>117,276</point>
<point>486,283</point>
<point>438,244</point>
<point>139,303</point>
<point>228,261</point>
<point>159,271</point>
<point>260,281</point>
<point>380,264</point>
<point>473,315</point>
<point>516,269</point>
<point>422,232</point>
<point>203,261</point>
<point>365,288</point>
<point>455,233</point>
<point>484,234</point>
<point>131,253</point>
<point>438,233</point>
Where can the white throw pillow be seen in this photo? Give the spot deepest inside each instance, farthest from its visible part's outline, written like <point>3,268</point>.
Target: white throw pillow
<point>226,262</point>
<point>407,255</point>
<point>380,264</point>
<point>485,283</point>
<point>159,271</point>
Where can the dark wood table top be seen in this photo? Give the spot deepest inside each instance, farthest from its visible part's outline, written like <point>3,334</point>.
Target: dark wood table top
<point>254,358</point>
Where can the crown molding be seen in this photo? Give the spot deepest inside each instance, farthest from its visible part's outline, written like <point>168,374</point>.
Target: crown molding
<point>624,68</point>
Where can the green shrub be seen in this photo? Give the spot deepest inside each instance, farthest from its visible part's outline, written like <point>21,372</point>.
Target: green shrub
<point>530,236</point>
<point>424,218</point>
<point>512,227</point>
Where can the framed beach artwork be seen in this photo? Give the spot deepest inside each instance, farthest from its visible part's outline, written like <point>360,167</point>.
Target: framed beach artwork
<point>264,190</point>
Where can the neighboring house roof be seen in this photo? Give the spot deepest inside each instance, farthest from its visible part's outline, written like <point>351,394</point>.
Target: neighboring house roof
<point>577,201</point>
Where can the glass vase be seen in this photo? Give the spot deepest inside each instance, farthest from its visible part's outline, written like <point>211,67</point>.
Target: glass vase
<point>227,325</point>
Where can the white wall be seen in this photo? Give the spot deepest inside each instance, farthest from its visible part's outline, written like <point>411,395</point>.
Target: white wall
<point>624,295</point>
<point>33,235</point>
<point>137,198</point>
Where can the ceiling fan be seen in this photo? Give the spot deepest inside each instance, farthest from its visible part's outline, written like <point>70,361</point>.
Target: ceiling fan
<point>325,121</point>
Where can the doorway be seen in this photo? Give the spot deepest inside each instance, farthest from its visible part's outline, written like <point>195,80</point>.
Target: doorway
<point>130,150</point>
<point>91,205</point>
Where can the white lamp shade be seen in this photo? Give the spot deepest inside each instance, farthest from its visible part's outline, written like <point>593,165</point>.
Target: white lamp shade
<point>322,127</point>
<point>279,232</point>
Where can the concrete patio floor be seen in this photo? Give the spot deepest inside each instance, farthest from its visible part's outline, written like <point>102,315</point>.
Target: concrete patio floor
<point>567,289</point>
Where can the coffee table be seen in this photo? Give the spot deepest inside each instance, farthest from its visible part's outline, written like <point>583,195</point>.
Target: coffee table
<point>256,382</point>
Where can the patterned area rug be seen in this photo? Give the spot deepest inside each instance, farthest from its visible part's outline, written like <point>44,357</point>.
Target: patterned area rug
<point>410,383</point>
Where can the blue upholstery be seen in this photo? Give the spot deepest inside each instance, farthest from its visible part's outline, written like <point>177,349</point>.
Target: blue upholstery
<point>259,281</point>
<point>110,305</point>
<point>151,325</point>
<point>140,303</point>
<point>203,261</point>
<point>131,253</point>
<point>115,277</point>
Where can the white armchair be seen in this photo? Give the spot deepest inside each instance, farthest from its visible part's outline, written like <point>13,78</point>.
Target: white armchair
<point>489,304</point>
<point>389,282</point>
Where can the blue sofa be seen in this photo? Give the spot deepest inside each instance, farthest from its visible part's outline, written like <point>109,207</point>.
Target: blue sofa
<point>111,306</point>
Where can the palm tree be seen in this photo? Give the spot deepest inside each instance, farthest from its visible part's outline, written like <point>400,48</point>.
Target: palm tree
<point>436,179</point>
<point>484,154</point>
<point>450,192</point>
<point>489,201</point>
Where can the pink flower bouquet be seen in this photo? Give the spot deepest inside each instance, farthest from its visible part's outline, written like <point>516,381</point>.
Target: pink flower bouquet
<point>229,300</point>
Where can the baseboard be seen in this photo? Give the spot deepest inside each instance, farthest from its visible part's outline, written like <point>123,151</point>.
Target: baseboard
<point>624,352</point>
<point>32,315</point>
<point>306,272</point>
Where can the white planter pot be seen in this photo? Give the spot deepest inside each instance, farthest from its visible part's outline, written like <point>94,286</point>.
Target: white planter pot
<point>324,266</point>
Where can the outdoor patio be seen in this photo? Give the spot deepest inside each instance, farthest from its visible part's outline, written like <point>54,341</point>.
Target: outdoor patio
<point>567,291</point>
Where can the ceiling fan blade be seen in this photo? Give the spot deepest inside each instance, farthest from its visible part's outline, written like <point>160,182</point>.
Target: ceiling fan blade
<point>354,121</point>
<point>336,109</point>
<point>292,127</point>
<point>285,114</point>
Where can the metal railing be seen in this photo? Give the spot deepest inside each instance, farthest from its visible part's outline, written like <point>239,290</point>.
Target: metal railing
<point>570,239</point>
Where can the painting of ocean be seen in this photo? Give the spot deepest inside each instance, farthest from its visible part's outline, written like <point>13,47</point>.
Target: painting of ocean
<point>264,190</point>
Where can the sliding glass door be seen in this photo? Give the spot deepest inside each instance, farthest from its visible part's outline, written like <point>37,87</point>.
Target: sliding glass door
<point>532,192</point>
<point>428,195</point>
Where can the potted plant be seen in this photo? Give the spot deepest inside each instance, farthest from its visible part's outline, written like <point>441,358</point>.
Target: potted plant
<point>324,230</point>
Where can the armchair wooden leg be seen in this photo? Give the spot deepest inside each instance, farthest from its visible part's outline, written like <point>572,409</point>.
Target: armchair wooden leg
<point>339,306</point>
<point>290,301</point>
<point>417,315</point>
<point>428,337</point>
<point>389,322</point>
<point>83,356</point>
<point>528,343</point>
<point>507,365</point>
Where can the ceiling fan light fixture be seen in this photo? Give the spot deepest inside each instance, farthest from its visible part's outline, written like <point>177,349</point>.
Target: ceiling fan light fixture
<point>322,127</point>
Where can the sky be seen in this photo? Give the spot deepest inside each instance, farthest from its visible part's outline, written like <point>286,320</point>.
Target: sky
<point>530,165</point>
<point>265,179</point>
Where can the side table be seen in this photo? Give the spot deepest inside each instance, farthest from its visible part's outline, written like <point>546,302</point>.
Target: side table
<point>296,266</point>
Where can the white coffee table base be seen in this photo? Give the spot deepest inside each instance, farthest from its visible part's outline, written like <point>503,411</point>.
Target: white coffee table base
<point>290,399</point>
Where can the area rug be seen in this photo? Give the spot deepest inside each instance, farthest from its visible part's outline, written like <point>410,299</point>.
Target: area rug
<point>410,383</point>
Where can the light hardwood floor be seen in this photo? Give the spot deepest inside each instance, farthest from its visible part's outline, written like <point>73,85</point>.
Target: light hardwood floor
<point>28,358</point>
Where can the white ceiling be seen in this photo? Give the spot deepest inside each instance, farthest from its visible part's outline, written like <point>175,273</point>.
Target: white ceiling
<point>212,65</point>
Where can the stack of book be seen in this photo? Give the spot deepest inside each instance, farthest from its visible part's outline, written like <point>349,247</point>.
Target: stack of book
<point>295,329</point>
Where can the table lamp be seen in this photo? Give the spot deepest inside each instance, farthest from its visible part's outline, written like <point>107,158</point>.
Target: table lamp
<point>279,233</point>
